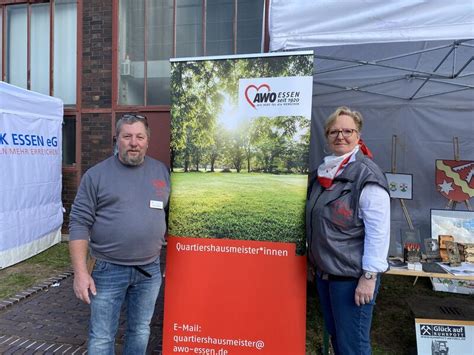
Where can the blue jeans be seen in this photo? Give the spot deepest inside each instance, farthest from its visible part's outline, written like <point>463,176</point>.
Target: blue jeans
<point>117,285</point>
<point>347,324</point>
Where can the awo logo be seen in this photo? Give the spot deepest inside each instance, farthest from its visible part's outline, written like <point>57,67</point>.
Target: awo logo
<point>253,94</point>
<point>262,95</point>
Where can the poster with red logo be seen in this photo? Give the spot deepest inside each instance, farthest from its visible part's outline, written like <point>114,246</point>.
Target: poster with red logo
<point>236,270</point>
<point>455,179</point>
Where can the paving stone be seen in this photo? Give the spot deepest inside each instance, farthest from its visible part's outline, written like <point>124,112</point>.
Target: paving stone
<point>51,320</point>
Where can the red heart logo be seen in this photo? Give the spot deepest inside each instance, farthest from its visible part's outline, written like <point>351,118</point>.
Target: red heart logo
<point>257,89</point>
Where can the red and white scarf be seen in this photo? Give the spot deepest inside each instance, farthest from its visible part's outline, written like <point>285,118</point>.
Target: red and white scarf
<point>331,166</point>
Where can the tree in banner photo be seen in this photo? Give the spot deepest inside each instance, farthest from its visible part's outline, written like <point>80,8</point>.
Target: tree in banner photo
<point>240,147</point>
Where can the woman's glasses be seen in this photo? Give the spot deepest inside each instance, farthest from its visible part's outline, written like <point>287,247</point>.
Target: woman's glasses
<point>346,132</point>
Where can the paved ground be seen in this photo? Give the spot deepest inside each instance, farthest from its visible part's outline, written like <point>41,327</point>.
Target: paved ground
<point>48,319</point>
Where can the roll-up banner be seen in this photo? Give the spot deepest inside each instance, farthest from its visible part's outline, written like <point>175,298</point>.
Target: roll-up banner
<point>236,274</point>
<point>31,211</point>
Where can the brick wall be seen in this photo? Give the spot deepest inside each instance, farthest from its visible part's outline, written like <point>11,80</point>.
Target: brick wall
<point>96,139</point>
<point>96,91</point>
<point>97,54</point>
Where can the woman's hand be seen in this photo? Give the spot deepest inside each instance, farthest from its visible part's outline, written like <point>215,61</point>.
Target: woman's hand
<point>364,292</point>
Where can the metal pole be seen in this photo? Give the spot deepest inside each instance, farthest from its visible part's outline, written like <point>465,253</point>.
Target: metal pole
<point>456,148</point>
<point>394,153</point>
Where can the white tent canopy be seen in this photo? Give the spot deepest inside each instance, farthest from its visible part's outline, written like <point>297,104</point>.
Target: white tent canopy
<point>31,212</point>
<point>302,24</point>
<point>407,66</point>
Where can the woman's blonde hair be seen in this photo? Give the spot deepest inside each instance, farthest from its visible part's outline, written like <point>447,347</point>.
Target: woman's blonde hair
<point>343,110</point>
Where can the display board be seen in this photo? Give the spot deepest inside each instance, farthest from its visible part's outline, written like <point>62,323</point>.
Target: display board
<point>236,276</point>
<point>400,185</point>
<point>459,224</point>
<point>444,336</point>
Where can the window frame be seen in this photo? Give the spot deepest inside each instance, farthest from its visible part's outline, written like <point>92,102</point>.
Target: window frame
<point>3,39</point>
<point>115,45</point>
<point>70,110</point>
<point>3,74</point>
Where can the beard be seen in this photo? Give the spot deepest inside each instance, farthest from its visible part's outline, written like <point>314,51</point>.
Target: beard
<point>131,160</point>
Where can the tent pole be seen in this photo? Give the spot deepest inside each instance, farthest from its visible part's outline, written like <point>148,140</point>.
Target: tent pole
<point>456,148</point>
<point>394,153</point>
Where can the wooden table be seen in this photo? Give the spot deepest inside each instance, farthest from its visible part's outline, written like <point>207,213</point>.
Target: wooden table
<point>406,272</point>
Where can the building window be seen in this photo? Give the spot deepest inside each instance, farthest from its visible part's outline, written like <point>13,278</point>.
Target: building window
<point>39,48</point>
<point>153,31</point>
<point>25,43</point>
<point>249,26</point>
<point>16,46</point>
<point>219,27</point>
<point>69,140</point>
<point>189,28</point>
<point>65,50</point>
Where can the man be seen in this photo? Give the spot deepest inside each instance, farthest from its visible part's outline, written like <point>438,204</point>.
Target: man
<point>119,216</point>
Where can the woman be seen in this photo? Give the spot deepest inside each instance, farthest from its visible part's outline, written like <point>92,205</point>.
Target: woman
<point>348,230</point>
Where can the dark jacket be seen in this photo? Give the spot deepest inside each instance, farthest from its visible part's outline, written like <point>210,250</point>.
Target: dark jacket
<point>335,233</point>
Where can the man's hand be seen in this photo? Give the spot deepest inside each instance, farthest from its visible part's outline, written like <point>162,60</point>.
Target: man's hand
<point>83,283</point>
<point>364,292</point>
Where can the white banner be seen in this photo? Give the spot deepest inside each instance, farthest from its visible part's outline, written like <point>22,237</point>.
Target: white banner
<point>30,173</point>
<point>282,96</point>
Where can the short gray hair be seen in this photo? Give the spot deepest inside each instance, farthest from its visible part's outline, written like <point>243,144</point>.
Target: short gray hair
<point>131,118</point>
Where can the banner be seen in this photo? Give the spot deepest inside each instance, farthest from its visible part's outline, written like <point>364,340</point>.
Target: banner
<point>233,297</point>
<point>236,274</point>
<point>30,175</point>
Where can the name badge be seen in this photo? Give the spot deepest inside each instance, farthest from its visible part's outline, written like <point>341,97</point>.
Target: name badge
<point>156,204</point>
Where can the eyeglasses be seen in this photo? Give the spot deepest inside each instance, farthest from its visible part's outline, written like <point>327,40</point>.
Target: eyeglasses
<point>346,132</point>
<point>132,116</point>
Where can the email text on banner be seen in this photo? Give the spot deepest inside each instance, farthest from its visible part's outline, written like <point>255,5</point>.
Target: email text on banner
<point>194,342</point>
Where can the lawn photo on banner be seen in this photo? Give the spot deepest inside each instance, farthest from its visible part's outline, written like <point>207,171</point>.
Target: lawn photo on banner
<point>240,172</point>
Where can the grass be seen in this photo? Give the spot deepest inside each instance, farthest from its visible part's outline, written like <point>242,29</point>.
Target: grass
<point>238,206</point>
<point>21,276</point>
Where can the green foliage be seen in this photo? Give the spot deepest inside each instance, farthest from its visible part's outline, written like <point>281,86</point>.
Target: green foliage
<point>200,92</point>
<point>239,206</point>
